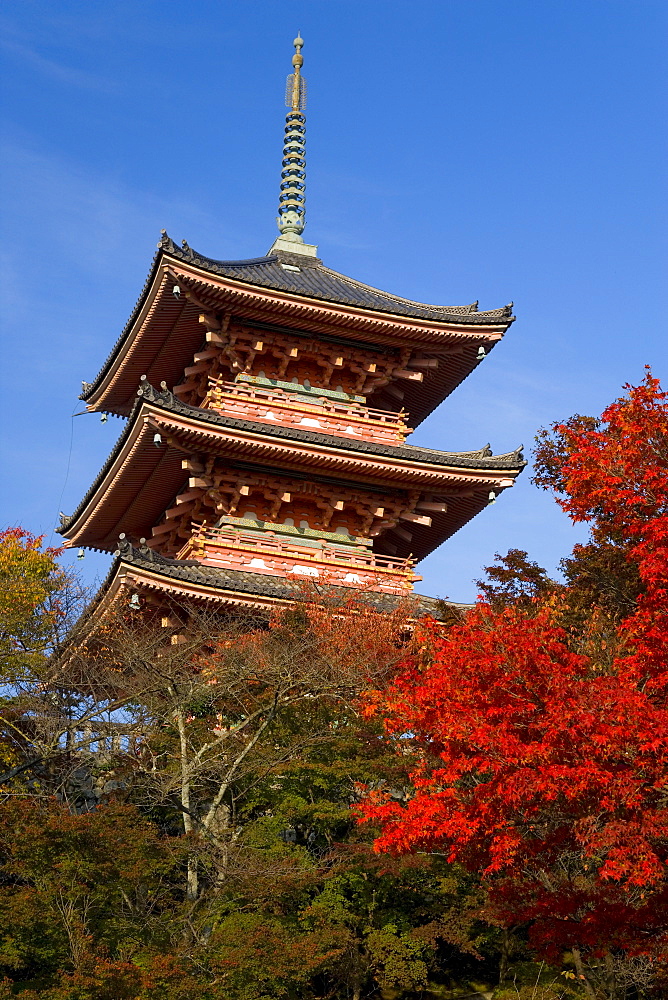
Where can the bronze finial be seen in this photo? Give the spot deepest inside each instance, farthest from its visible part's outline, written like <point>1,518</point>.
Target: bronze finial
<point>298,90</point>
<point>292,202</point>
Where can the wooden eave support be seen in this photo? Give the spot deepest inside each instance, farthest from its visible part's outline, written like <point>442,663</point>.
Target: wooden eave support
<point>191,465</point>
<point>416,519</point>
<point>196,369</point>
<point>161,529</point>
<point>423,363</point>
<point>206,355</point>
<point>184,498</point>
<point>184,387</point>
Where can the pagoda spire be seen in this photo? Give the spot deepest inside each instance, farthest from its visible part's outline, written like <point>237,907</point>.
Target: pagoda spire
<point>291,217</point>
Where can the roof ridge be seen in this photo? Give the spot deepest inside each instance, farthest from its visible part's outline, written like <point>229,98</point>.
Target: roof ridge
<point>128,553</point>
<point>465,310</point>
<point>257,582</point>
<point>186,252</point>
<point>309,268</point>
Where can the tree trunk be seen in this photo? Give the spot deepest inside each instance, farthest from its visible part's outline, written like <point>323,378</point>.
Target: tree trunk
<point>192,882</point>
<point>505,955</point>
<point>610,978</point>
<point>577,959</point>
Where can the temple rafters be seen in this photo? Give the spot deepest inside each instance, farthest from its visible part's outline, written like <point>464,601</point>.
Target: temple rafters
<point>399,498</point>
<point>233,303</point>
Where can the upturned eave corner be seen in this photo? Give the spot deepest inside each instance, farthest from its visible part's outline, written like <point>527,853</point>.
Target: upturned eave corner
<point>275,446</point>
<point>318,299</point>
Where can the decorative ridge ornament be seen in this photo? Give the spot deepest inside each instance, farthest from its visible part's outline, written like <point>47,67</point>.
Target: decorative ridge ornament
<point>291,217</point>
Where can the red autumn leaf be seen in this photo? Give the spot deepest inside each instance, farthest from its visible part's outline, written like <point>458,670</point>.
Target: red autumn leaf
<point>538,740</point>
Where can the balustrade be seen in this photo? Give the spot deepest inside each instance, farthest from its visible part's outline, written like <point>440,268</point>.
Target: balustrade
<point>264,552</point>
<point>311,411</point>
<point>105,738</point>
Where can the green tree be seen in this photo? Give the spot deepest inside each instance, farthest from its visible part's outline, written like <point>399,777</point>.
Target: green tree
<point>76,888</point>
<point>32,602</point>
<point>39,602</point>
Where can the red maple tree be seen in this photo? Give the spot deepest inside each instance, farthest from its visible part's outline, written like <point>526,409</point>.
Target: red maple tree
<point>539,738</point>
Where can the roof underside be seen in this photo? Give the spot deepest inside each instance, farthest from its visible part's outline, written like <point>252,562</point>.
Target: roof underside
<point>139,481</point>
<point>163,333</point>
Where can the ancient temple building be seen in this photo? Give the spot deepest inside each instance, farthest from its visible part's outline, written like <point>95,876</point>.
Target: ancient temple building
<point>267,404</point>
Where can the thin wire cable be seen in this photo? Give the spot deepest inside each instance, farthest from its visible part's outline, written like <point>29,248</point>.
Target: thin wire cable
<point>67,470</point>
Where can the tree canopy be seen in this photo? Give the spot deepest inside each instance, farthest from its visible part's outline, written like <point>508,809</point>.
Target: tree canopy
<point>334,802</point>
<point>538,727</point>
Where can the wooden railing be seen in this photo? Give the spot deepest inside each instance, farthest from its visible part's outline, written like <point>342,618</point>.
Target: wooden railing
<point>104,738</point>
<point>334,416</point>
<point>241,549</point>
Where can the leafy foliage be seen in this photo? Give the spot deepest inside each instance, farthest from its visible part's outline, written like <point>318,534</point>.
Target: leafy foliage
<point>29,578</point>
<point>515,579</point>
<point>514,761</point>
<point>38,603</point>
<point>77,885</point>
<point>538,733</point>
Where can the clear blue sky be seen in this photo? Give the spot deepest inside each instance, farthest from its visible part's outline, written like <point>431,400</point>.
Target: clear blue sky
<point>457,150</point>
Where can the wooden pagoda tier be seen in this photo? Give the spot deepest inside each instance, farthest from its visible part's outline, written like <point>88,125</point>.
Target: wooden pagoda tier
<point>274,449</point>
<point>282,498</point>
<point>286,316</point>
<point>175,584</point>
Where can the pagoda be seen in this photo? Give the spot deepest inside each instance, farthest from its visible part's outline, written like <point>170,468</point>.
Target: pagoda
<point>267,404</point>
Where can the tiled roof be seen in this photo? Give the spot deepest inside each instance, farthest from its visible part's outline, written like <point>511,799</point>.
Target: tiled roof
<point>165,400</point>
<point>241,582</point>
<point>480,459</point>
<point>314,280</point>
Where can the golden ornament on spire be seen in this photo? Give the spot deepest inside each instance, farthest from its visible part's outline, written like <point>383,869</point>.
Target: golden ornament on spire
<point>295,88</point>
<point>292,202</point>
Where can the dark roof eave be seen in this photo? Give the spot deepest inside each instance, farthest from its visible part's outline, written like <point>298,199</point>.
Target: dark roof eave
<point>323,283</point>
<point>232,581</point>
<point>379,301</point>
<point>88,388</point>
<point>68,520</point>
<point>511,462</point>
<point>482,459</point>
